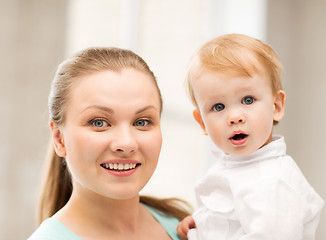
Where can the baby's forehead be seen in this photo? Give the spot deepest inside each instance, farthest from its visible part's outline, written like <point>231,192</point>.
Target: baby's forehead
<point>211,80</point>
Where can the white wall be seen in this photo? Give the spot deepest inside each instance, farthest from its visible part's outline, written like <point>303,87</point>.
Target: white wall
<point>32,41</point>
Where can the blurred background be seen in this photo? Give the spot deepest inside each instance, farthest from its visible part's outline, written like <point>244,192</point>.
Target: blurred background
<point>36,35</point>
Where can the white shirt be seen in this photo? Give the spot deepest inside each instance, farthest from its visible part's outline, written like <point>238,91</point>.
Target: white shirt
<point>261,196</point>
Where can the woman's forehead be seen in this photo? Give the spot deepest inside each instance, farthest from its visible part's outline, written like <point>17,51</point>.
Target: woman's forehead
<point>128,87</point>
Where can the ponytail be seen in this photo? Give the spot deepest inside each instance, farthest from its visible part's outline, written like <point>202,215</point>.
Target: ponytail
<point>174,207</point>
<point>57,186</point>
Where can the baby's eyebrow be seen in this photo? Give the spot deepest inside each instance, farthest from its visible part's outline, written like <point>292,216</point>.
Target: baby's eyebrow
<point>245,88</point>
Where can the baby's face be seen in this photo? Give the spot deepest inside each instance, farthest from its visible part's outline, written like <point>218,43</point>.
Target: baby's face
<point>236,112</point>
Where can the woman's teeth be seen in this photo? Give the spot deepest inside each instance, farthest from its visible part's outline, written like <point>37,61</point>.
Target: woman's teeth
<point>119,166</point>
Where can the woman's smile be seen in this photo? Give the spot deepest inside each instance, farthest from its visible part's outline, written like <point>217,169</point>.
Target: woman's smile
<point>121,167</point>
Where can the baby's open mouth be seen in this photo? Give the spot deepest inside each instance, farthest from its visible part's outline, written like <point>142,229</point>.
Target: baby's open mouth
<point>239,136</point>
<point>119,167</point>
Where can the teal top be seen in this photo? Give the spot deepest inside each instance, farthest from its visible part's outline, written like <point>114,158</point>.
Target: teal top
<point>53,229</point>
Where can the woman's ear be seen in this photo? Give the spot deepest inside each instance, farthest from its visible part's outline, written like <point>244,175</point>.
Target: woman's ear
<point>279,105</point>
<point>58,141</point>
<point>198,118</point>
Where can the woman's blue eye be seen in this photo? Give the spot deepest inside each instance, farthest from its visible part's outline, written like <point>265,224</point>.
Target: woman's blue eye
<point>248,100</point>
<point>141,123</point>
<point>98,123</point>
<point>218,107</point>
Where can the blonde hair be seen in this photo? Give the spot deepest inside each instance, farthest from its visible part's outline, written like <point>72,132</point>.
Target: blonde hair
<point>235,55</point>
<point>57,185</point>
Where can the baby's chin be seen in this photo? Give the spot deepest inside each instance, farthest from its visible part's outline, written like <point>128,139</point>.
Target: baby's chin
<point>245,149</point>
<point>241,151</point>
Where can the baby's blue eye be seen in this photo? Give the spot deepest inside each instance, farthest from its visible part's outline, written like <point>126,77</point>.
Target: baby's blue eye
<point>248,100</point>
<point>218,107</point>
<point>98,123</point>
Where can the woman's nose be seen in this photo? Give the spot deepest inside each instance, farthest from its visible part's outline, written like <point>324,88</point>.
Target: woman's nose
<point>124,141</point>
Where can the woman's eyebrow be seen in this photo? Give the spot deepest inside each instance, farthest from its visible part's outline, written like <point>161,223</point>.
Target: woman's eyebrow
<point>145,108</point>
<point>110,110</point>
<point>100,107</point>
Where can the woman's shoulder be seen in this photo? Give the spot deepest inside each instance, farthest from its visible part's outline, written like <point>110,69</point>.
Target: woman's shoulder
<point>168,222</point>
<point>53,229</point>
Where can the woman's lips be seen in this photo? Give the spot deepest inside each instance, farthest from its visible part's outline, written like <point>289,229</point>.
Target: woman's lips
<point>121,168</point>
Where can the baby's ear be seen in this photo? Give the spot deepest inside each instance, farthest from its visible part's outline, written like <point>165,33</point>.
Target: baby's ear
<point>279,105</point>
<point>58,141</point>
<point>198,118</point>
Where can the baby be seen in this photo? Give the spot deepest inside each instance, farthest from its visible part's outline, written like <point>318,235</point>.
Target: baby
<point>254,190</point>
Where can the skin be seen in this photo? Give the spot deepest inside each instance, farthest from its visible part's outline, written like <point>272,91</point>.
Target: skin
<point>232,105</point>
<point>184,226</point>
<point>111,117</point>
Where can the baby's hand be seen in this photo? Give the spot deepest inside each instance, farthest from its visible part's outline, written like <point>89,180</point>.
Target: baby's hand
<point>184,226</point>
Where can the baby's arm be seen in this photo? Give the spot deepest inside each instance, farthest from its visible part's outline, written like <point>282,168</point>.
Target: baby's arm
<point>184,226</point>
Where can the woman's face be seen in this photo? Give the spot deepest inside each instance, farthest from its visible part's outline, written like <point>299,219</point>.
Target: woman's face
<point>111,136</point>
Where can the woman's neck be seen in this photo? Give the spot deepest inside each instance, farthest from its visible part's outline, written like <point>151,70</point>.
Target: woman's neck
<point>91,215</point>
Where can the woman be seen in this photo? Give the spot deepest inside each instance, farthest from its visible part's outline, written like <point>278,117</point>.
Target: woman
<point>105,109</point>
